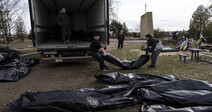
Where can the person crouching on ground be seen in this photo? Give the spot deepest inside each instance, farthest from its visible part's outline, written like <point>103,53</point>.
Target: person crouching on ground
<point>95,48</point>
<point>154,47</point>
<point>121,39</point>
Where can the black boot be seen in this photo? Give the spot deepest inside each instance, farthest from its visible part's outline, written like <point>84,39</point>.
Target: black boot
<point>151,66</point>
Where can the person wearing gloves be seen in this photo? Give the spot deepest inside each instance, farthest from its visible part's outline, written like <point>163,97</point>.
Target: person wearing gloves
<point>154,47</point>
<point>96,48</point>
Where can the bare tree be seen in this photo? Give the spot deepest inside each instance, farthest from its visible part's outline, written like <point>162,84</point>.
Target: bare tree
<point>137,28</point>
<point>158,33</point>
<point>20,29</point>
<point>113,9</point>
<point>199,22</point>
<point>9,11</point>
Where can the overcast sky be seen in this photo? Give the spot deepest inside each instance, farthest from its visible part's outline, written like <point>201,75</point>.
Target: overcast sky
<point>168,15</point>
<point>26,16</point>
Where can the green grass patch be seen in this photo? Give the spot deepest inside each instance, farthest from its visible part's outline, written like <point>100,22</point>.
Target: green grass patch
<point>24,51</point>
<point>165,65</point>
<point>129,52</point>
<point>23,47</point>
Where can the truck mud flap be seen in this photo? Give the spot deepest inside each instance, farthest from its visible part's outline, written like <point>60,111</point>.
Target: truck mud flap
<point>125,64</point>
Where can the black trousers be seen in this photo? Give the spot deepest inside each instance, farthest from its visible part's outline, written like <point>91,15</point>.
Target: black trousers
<point>66,30</point>
<point>154,56</point>
<point>120,44</point>
<point>99,58</point>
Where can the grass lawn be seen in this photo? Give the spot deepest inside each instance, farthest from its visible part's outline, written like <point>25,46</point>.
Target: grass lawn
<point>167,63</point>
<point>22,47</point>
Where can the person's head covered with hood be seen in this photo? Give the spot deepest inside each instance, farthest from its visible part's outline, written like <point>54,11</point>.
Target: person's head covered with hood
<point>148,36</point>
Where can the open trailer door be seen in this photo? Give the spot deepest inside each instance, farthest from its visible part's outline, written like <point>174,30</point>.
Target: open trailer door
<point>87,18</point>
<point>32,19</point>
<point>98,20</point>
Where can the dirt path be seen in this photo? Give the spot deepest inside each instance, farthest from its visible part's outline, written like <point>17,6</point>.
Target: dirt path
<point>52,76</point>
<point>48,77</point>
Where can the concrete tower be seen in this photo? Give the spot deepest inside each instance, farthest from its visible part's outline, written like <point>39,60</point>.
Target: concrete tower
<point>146,25</point>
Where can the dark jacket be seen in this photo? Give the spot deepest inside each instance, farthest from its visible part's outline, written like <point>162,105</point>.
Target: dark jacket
<point>95,46</point>
<point>151,44</point>
<point>63,19</point>
<point>121,37</point>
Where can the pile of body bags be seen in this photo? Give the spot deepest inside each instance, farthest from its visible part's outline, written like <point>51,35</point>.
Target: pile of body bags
<point>165,93</point>
<point>12,68</point>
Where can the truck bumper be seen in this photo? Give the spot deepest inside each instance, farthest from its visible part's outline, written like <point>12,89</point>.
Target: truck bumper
<point>66,59</point>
